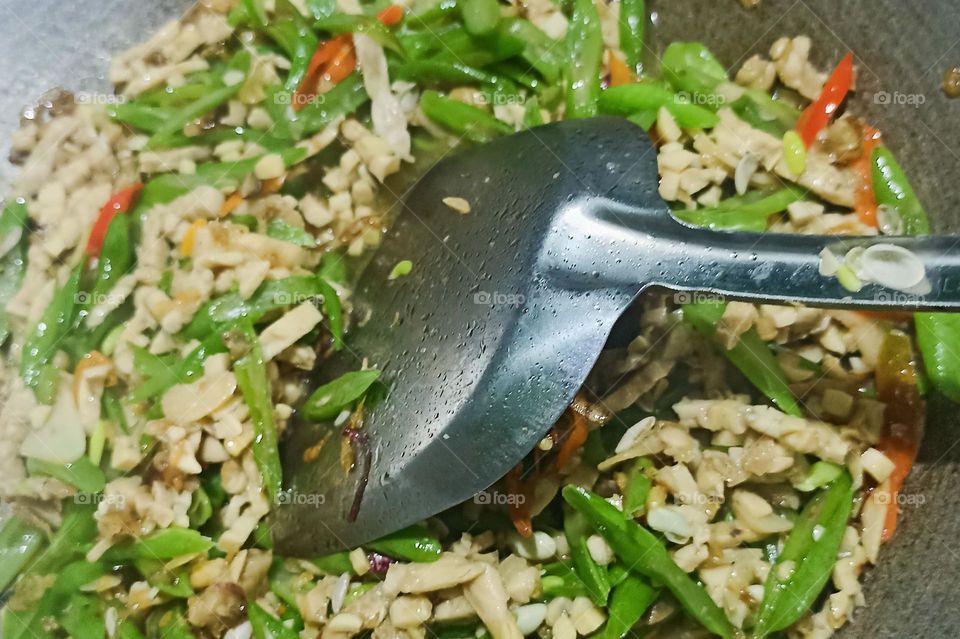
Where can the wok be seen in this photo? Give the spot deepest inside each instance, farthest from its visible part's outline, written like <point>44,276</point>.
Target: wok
<point>902,50</point>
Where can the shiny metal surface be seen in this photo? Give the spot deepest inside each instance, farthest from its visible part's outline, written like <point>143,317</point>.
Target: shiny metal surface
<point>507,308</point>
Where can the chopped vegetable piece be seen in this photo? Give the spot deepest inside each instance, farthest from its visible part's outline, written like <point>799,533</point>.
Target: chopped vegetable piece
<point>642,552</point>
<point>400,269</point>
<point>629,600</point>
<point>328,400</point>
<point>593,575</point>
<point>409,544</point>
<point>57,320</point>
<point>892,188</point>
<point>585,50</point>
<point>743,213</point>
<point>633,22</point>
<point>19,543</point>
<point>751,355</point>
<point>120,202</point>
<point>818,114</point>
<point>252,379</point>
<point>463,119</point>
<point>809,554</point>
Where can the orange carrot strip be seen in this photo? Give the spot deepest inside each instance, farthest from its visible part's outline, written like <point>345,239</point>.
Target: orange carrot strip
<point>575,438</point>
<point>620,73</point>
<point>391,15</point>
<point>865,202</point>
<point>896,379</point>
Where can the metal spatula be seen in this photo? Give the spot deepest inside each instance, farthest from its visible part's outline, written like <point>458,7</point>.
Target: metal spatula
<point>507,307</point>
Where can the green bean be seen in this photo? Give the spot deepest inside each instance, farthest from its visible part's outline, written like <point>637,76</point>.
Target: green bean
<point>146,117</point>
<point>256,9</point>
<point>320,9</point>
<point>251,373</point>
<point>280,230</point>
<point>298,41</point>
<point>891,188</point>
<point>218,314</point>
<point>480,17</point>
<point>937,335</point>
<point>531,113</point>
<point>182,372</point>
<point>116,257</point>
<point>749,212</point>
<point>127,629</point>
<point>765,113</point>
<point>751,355</point>
<point>335,564</point>
<point>633,22</point>
<point>211,100</point>
<point>56,322</point>
<point>819,475</point>
<point>83,617</point>
<point>804,565</point>
<point>593,575</point>
<point>432,16</point>
<point>343,99</point>
<point>82,473</point>
<point>328,400</point>
<point>463,119</point>
<point>628,99</point>
<point>628,602</point>
<point>585,51</point>
<point>19,543</point>
<point>266,626</point>
<point>562,583</point>
<point>458,45</point>
<point>638,488</point>
<point>690,67</point>
<point>414,543</point>
<point>164,544</point>
<point>201,508</point>
<point>171,582</point>
<point>334,312</point>
<point>540,51</point>
<point>14,263</point>
<point>442,71</point>
<point>76,534</point>
<point>644,553</point>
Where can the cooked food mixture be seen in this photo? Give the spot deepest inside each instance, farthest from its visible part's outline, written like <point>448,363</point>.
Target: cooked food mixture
<point>177,259</point>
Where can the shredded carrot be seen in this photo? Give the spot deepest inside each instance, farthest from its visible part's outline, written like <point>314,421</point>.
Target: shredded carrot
<point>343,64</point>
<point>272,185</point>
<point>391,15</point>
<point>186,245</point>
<point>230,204</point>
<point>519,506</point>
<point>865,203</point>
<point>620,73</point>
<point>896,380</point>
<point>575,437</point>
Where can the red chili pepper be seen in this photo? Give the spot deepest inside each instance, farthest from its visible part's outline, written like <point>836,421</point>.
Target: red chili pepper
<point>334,60</point>
<point>119,202</point>
<point>817,115</point>
<point>864,200</point>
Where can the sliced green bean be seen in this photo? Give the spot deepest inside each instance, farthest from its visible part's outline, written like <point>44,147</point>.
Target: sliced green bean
<point>804,565</point>
<point>593,575</point>
<point>628,603</point>
<point>633,22</point>
<point>19,543</point>
<point>585,50</point>
<point>749,212</point>
<point>328,400</point>
<point>463,119</point>
<point>414,543</point>
<point>644,553</point>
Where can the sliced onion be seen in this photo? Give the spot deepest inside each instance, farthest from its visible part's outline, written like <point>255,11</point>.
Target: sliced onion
<point>389,120</point>
<point>747,166</point>
<point>892,266</point>
<point>829,263</point>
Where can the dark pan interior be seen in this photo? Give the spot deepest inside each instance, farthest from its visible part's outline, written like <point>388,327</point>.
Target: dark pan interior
<point>902,48</point>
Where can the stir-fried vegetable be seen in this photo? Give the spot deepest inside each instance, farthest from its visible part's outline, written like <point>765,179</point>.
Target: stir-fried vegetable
<point>585,50</point>
<point>892,189</point>
<point>593,575</point>
<point>818,114</point>
<point>804,565</point>
<point>19,544</point>
<point>628,602</point>
<point>750,355</point>
<point>743,213</point>
<point>463,119</point>
<point>642,552</point>
<point>633,23</point>
<point>328,400</point>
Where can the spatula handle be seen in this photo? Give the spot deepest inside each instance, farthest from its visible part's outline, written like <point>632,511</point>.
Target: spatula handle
<point>771,268</point>
<point>781,268</point>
